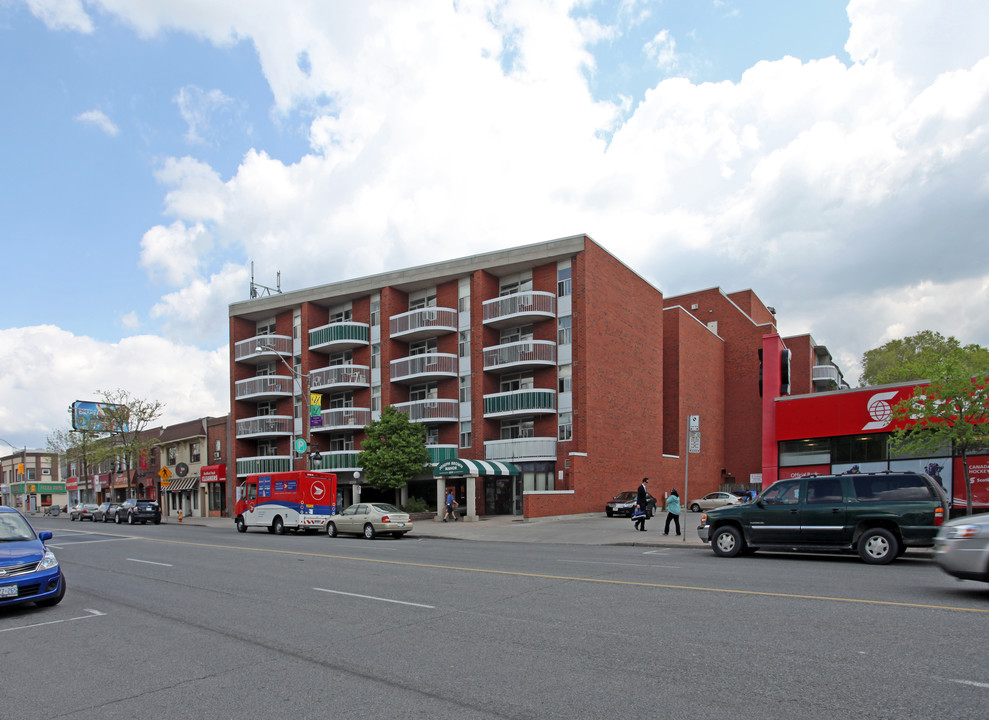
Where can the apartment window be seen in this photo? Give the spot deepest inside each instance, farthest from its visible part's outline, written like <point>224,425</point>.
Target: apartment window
<point>516,334</point>
<point>426,391</point>
<point>375,311</point>
<point>521,428</point>
<point>465,388</point>
<point>516,381</point>
<point>172,455</point>
<point>341,358</point>
<point>510,286</point>
<point>341,442</point>
<point>422,347</point>
<point>267,448</point>
<point>266,407</point>
<point>464,348</point>
<point>341,316</point>
<point>375,355</point>
<point>564,378</point>
<point>422,301</point>
<point>194,452</point>
<point>376,398</point>
<point>565,427</point>
<point>266,369</point>
<point>266,327</point>
<point>563,331</point>
<point>432,435</point>
<point>463,303</point>
<point>465,434</point>
<point>563,282</point>
<point>341,400</point>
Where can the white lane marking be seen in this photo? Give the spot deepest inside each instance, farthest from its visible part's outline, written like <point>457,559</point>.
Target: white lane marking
<point>149,562</point>
<point>372,597</point>
<point>85,542</point>
<point>605,562</point>
<point>973,683</point>
<point>92,614</point>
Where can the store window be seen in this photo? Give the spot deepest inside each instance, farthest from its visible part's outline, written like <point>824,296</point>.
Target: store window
<point>859,448</point>
<point>813,451</point>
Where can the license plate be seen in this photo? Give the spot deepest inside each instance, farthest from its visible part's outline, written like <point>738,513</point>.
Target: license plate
<point>8,591</point>
<point>400,524</point>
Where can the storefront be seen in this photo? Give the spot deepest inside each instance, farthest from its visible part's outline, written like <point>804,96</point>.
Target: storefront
<point>484,487</point>
<point>214,481</point>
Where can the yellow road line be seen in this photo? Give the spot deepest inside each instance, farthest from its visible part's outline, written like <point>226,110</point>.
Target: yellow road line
<point>542,576</point>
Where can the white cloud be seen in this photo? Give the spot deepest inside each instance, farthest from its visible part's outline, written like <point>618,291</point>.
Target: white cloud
<point>662,50</point>
<point>62,14</point>
<point>99,120</point>
<point>200,110</point>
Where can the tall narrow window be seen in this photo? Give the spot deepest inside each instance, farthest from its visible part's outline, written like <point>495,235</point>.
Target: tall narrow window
<point>563,282</point>
<point>563,332</point>
<point>564,376</point>
<point>565,427</point>
<point>465,434</point>
<point>465,343</point>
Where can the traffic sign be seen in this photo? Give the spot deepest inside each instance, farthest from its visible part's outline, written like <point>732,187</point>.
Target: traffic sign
<point>300,446</point>
<point>164,473</point>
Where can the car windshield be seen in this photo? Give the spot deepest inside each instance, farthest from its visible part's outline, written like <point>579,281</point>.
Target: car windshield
<point>624,496</point>
<point>14,527</point>
<point>385,507</point>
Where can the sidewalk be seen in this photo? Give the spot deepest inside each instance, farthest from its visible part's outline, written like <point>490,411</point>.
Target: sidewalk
<point>587,529</point>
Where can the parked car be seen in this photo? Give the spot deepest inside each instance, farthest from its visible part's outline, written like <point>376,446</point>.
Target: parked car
<point>961,547</point>
<point>83,511</point>
<point>623,505</point>
<point>370,520</point>
<point>714,500</point>
<point>29,571</point>
<point>137,511</point>
<point>877,514</point>
<point>106,511</point>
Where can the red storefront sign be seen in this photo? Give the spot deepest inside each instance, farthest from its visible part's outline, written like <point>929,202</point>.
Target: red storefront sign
<point>72,484</point>
<point>853,412</point>
<point>978,473</point>
<point>213,473</point>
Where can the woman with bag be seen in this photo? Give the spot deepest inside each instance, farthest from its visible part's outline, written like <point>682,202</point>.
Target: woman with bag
<point>673,511</point>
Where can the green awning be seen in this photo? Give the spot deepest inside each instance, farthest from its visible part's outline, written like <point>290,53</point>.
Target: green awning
<point>474,468</point>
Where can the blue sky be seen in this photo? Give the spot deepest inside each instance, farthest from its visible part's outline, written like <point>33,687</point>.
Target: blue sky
<point>830,156</point>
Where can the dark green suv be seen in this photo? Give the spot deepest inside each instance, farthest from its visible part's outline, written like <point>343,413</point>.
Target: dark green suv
<point>878,514</point>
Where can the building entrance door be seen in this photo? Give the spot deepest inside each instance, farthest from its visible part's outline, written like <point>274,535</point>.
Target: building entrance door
<point>503,495</point>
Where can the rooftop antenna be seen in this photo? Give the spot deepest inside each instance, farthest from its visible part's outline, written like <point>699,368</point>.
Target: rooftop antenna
<point>260,290</point>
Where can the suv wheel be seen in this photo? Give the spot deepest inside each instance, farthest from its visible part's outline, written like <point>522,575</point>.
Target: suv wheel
<point>727,541</point>
<point>878,546</point>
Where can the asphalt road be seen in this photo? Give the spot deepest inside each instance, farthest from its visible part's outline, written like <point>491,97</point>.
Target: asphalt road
<point>192,622</point>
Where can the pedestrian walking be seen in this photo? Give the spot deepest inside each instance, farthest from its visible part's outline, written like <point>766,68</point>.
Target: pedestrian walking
<point>641,503</point>
<point>673,511</point>
<point>450,502</point>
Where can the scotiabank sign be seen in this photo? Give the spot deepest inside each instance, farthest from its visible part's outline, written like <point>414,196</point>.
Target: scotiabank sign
<point>853,412</point>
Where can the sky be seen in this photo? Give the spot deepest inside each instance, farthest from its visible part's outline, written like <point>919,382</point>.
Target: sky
<point>832,157</point>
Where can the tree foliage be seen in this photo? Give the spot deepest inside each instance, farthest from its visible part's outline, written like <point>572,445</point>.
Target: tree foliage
<point>394,450</point>
<point>127,418</point>
<point>927,355</point>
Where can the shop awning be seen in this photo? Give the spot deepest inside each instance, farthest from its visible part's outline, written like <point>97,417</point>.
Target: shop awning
<point>474,468</point>
<point>182,484</point>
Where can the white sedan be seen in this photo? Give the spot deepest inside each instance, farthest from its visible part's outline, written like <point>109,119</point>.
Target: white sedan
<point>713,500</point>
<point>370,520</point>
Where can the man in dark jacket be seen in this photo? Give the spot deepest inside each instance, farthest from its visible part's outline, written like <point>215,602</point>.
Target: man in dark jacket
<point>641,502</point>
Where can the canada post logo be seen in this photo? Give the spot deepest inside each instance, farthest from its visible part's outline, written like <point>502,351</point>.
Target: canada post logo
<point>880,410</point>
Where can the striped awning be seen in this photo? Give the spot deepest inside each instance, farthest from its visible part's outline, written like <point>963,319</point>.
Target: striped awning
<point>474,468</point>
<point>182,484</point>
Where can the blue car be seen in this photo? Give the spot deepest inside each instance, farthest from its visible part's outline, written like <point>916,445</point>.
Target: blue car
<point>29,571</point>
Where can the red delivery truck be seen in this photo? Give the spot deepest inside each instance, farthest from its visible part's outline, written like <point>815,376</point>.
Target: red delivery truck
<point>298,500</point>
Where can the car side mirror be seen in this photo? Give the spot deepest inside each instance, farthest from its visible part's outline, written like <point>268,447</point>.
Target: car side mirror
<point>45,535</point>
<point>760,503</point>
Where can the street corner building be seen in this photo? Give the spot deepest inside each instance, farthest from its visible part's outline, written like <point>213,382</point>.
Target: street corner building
<point>549,377</point>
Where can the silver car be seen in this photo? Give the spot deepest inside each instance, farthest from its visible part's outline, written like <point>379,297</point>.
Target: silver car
<point>713,500</point>
<point>961,547</point>
<point>370,520</point>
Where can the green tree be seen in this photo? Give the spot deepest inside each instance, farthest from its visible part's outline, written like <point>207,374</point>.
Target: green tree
<point>394,450</point>
<point>924,356</point>
<point>950,410</point>
<point>74,446</point>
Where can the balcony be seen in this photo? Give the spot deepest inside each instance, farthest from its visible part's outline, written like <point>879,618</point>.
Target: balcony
<point>425,367</point>
<point>528,401</point>
<point>521,308</point>
<point>264,387</point>
<point>266,464</point>
<point>264,426</point>
<point>263,348</point>
<point>339,336</point>
<point>440,453</point>
<point>431,410</point>
<point>340,376</point>
<point>826,376</point>
<point>336,461</point>
<point>422,323</point>
<point>349,418</point>
<point>521,449</point>
<point>516,356</point>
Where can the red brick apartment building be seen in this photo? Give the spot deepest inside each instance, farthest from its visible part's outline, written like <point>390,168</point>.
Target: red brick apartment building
<point>550,377</point>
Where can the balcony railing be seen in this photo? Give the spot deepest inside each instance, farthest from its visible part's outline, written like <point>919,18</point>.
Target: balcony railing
<point>826,374</point>
<point>422,323</point>
<point>519,308</point>
<point>430,410</point>
<point>350,418</point>
<point>339,336</point>
<point>263,387</point>
<point>336,460</point>
<point>440,453</point>
<point>264,426</point>
<point>528,401</point>
<point>428,366</point>
<point>340,376</point>
<point>520,355</point>
<point>266,464</point>
<point>262,348</point>
<point>534,448</point>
